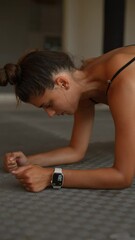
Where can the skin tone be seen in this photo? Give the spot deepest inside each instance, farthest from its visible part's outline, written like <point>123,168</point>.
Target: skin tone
<point>71,95</point>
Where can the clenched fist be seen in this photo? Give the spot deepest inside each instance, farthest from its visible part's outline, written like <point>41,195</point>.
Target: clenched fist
<point>34,178</point>
<point>13,160</point>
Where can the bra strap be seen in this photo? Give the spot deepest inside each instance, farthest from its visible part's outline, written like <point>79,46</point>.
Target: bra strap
<point>121,69</point>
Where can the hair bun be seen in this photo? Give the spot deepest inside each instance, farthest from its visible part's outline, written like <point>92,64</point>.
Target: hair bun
<point>9,74</point>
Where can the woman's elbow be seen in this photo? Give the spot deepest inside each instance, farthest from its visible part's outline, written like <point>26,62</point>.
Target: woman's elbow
<point>79,156</point>
<point>127,182</point>
<point>123,179</point>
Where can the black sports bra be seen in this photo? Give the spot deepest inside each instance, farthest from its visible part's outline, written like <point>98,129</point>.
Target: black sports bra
<point>114,76</point>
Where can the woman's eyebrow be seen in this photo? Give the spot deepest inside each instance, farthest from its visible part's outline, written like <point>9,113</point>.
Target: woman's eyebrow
<point>41,105</point>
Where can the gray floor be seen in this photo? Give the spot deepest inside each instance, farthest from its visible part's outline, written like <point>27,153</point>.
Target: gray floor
<point>68,213</point>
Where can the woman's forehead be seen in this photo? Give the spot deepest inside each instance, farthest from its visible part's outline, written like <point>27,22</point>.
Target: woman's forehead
<point>36,100</point>
<point>43,98</point>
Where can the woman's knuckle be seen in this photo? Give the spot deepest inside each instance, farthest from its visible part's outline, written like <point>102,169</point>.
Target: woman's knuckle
<point>29,181</point>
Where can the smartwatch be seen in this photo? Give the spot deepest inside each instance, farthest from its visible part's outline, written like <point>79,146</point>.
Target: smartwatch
<point>57,178</point>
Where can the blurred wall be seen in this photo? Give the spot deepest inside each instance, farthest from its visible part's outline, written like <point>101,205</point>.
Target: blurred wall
<point>15,24</point>
<point>79,24</point>
<point>129,36</point>
<point>83,27</point>
<point>24,24</point>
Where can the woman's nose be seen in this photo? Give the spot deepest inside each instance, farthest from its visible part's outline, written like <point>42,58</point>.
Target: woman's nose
<point>50,112</point>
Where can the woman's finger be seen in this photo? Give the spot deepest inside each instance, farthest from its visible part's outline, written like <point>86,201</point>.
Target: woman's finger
<point>12,168</point>
<point>20,170</point>
<point>12,164</point>
<point>22,181</point>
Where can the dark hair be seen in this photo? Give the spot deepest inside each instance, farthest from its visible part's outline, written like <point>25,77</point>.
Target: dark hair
<point>34,72</point>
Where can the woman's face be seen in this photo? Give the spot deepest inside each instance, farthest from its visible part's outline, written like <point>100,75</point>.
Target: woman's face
<point>62,99</point>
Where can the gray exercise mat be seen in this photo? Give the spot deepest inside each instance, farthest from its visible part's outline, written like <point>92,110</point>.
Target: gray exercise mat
<point>67,213</point>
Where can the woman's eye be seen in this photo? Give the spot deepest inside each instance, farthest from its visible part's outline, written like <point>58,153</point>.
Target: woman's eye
<point>48,106</point>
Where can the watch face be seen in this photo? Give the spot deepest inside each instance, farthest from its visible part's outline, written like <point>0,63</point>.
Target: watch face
<point>57,179</point>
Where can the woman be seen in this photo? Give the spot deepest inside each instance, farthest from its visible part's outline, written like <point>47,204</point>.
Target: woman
<point>49,80</point>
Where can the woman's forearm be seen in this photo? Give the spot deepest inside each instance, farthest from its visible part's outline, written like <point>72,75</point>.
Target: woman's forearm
<point>102,178</point>
<point>65,155</point>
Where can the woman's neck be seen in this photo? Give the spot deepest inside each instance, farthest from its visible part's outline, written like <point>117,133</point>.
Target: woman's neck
<point>94,82</point>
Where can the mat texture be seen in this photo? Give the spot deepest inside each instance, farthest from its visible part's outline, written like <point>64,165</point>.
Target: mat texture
<point>64,214</point>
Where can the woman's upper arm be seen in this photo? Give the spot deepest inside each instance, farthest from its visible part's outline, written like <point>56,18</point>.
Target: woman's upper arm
<point>122,106</point>
<point>82,127</point>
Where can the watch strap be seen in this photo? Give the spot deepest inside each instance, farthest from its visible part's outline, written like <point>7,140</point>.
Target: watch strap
<point>58,170</point>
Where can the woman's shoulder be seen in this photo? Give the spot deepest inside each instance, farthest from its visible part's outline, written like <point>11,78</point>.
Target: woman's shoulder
<point>120,56</point>
<point>119,62</point>
<point>123,74</point>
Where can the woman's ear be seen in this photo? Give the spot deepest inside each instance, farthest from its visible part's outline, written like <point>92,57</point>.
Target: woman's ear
<point>62,82</point>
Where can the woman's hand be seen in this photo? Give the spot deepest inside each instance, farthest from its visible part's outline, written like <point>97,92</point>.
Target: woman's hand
<point>34,178</point>
<point>13,160</point>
